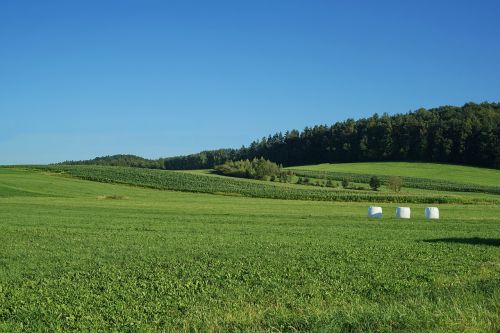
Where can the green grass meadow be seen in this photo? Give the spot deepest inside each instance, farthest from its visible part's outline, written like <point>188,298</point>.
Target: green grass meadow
<point>86,256</point>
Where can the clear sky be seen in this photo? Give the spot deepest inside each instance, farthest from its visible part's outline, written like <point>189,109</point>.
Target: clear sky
<point>80,79</point>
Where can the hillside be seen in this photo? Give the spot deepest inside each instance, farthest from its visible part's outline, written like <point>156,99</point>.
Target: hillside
<point>203,183</point>
<point>441,172</point>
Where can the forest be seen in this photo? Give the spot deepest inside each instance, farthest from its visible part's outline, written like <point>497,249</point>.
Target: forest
<point>468,135</point>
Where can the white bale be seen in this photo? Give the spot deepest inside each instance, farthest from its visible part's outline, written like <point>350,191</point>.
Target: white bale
<point>375,212</point>
<point>432,213</point>
<point>403,212</point>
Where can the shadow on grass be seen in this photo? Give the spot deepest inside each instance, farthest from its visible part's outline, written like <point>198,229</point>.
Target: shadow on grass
<point>462,240</point>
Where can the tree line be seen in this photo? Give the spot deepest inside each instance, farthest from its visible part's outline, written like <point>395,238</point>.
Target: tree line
<point>469,135</point>
<point>121,160</point>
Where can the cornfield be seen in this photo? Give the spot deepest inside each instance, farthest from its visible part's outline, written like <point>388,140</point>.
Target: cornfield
<point>186,182</point>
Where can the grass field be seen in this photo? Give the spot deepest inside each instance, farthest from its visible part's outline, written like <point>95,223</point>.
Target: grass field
<point>77,255</point>
<point>447,172</point>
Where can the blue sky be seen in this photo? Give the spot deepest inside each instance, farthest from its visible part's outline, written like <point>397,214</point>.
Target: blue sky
<point>80,79</point>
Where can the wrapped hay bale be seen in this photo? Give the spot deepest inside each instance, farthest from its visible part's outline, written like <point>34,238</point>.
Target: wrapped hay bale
<point>403,212</point>
<point>432,213</point>
<point>375,212</point>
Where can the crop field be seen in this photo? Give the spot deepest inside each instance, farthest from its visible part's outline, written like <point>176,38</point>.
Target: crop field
<point>409,182</point>
<point>81,252</point>
<point>441,172</point>
<point>432,176</point>
<point>192,182</point>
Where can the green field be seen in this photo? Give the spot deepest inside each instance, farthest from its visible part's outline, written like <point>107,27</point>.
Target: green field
<point>447,172</point>
<point>429,177</point>
<point>80,255</point>
<point>205,183</point>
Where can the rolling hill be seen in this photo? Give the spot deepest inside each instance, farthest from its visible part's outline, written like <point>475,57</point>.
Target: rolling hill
<point>203,183</point>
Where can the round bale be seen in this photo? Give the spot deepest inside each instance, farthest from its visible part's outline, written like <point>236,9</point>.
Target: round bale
<point>375,212</point>
<point>403,212</point>
<point>432,213</point>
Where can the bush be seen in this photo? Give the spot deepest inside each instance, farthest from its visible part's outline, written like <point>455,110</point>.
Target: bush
<point>374,183</point>
<point>345,183</point>
<point>258,168</point>
<point>395,183</point>
<point>286,176</point>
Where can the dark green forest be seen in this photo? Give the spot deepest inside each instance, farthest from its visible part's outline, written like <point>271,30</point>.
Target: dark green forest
<point>469,135</point>
<point>121,160</point>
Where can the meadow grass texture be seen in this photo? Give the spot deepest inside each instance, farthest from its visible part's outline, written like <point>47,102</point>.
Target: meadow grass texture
<point>77,255</point>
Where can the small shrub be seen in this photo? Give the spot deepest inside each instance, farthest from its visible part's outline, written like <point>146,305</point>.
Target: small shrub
<point>374,183</point>
<point>395,183</point>
<point>286,176</point>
